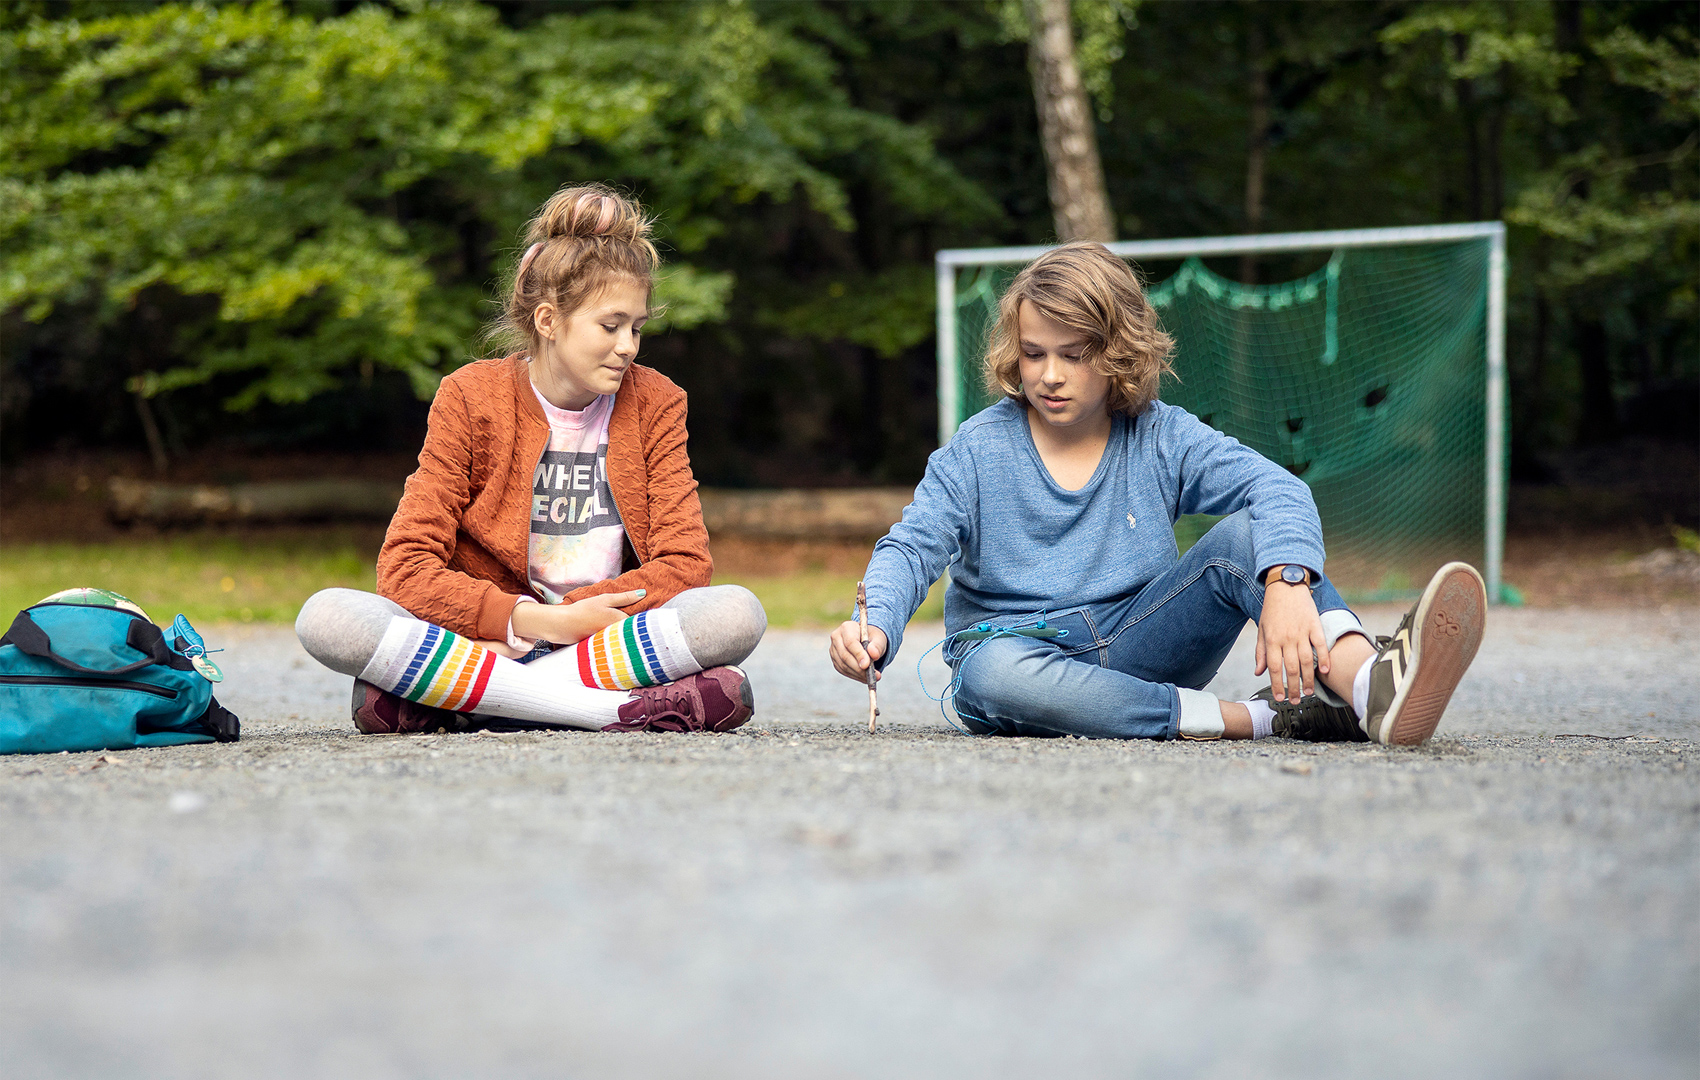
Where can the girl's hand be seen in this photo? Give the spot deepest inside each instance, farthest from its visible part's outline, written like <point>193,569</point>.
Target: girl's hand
<point>569,624</point>
<point>847,653</point>
<point>1288,634</point>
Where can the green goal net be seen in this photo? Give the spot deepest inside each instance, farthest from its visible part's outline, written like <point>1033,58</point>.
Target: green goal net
<point>1371,379</point>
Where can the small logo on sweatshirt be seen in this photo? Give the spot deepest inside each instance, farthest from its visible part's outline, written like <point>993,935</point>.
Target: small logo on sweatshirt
<point>1130,522</point>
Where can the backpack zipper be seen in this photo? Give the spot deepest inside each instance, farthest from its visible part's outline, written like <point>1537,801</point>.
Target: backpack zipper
<point>98,684</point>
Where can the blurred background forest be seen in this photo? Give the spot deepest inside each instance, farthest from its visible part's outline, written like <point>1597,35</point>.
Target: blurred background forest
<point>251,232</point>
<point>277,225</point>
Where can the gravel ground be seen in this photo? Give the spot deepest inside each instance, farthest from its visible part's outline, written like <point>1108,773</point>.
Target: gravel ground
<point>801,899</point>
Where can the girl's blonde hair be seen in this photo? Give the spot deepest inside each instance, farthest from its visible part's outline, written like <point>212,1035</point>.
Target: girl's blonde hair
<point>1085,288</point>
<point>584,237</point>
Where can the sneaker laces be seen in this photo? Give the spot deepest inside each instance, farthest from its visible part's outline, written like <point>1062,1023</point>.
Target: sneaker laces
<point>1313,716</point>
<point>679,699</point>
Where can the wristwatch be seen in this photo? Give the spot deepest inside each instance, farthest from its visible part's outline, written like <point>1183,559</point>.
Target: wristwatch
<point>1294,574</point>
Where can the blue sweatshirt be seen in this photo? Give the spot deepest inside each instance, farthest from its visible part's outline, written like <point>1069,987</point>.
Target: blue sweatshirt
<point>1017,543</point>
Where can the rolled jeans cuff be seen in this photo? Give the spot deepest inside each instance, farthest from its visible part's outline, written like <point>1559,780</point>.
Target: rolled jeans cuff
<point>1338,623</point>
<point>1201,715</point>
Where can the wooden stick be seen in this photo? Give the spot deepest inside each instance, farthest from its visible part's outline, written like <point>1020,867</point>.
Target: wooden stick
<point>862,617</point>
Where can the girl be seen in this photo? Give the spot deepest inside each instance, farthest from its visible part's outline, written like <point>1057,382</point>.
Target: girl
<point>1054,510</point>
<point>548,564</point>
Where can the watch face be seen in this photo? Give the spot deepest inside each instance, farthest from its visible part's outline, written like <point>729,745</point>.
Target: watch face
<point>1293,575</point>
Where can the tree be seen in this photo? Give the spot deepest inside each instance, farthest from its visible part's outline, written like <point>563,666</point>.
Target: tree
<point>1079,200</point>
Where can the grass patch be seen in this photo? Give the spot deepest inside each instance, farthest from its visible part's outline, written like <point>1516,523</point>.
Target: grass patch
<point>266,580</point>
<point>1190,529</point>
<point>223,579</point>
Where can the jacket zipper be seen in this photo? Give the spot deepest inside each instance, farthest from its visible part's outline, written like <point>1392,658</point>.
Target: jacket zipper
<point>98,684</point>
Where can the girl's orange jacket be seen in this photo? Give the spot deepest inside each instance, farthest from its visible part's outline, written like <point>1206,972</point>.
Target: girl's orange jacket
<point>456,550</point>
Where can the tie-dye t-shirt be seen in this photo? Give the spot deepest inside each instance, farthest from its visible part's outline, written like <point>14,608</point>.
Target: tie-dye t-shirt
<point>576,532</point>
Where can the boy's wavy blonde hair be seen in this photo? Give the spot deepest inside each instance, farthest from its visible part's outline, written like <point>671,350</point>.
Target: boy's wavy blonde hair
<point>1085,288</point>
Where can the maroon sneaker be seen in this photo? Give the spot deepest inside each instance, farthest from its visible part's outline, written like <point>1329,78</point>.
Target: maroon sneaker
<point>378,712</point>
<point>718,699</point>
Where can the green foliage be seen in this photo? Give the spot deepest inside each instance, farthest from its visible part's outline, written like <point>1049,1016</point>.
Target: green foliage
<point>1615,211</point>
<point>1482,40</point>
<point>1612,208</point>
<point>236,153</point>
<point>313,180</point>
<point>686,296</point>
<point>1666,67</point>
<point>264,204</point>
<point>889,312</point>
<point>1101,27</point>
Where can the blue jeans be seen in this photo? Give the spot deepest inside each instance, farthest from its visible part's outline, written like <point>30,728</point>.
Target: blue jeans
<point>1117,673</point>
<point>538,652</point>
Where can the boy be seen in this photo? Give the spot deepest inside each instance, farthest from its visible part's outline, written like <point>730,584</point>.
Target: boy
<point>1056,506</point>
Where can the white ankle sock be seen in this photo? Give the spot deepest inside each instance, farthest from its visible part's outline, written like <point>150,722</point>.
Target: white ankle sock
<point>425,663</point>
<point>1262,718</point>
<point>1360,689</point>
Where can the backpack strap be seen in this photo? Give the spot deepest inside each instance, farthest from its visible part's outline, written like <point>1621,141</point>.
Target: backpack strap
<point>143,636</point>
<point>225,725</point>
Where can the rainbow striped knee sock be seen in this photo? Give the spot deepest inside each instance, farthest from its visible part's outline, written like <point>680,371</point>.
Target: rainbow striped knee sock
<point>644,650</point>
<point>425,663</point>
<point>433,666</point>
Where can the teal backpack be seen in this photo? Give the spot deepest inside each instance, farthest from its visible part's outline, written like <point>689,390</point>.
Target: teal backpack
<point>85,669</point>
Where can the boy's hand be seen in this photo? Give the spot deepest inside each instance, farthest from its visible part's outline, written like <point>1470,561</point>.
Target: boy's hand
<point>568,624</point>
<point>1288,633</point>
<point>847,653</point>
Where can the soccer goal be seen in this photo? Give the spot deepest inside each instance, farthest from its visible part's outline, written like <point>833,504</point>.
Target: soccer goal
<point>1379,380</point>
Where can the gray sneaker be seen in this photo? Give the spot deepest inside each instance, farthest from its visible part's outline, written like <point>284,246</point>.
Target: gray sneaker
<point>1318,717</point>
<point>1416,670</point>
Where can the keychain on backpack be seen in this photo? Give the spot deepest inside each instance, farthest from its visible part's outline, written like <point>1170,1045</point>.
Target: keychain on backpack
<point>190,644</point>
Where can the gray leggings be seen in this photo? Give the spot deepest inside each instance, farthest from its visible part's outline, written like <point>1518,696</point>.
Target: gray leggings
<point>341,628</point>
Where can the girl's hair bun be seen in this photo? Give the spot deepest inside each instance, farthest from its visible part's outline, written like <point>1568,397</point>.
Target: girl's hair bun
<point>584,237</point>
<point>589,212</point>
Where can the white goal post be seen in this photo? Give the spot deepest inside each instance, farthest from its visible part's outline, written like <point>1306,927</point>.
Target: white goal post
<point>947,262</point>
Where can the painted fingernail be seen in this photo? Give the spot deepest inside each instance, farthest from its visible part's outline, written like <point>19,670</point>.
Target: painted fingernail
<point>643,592</point>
